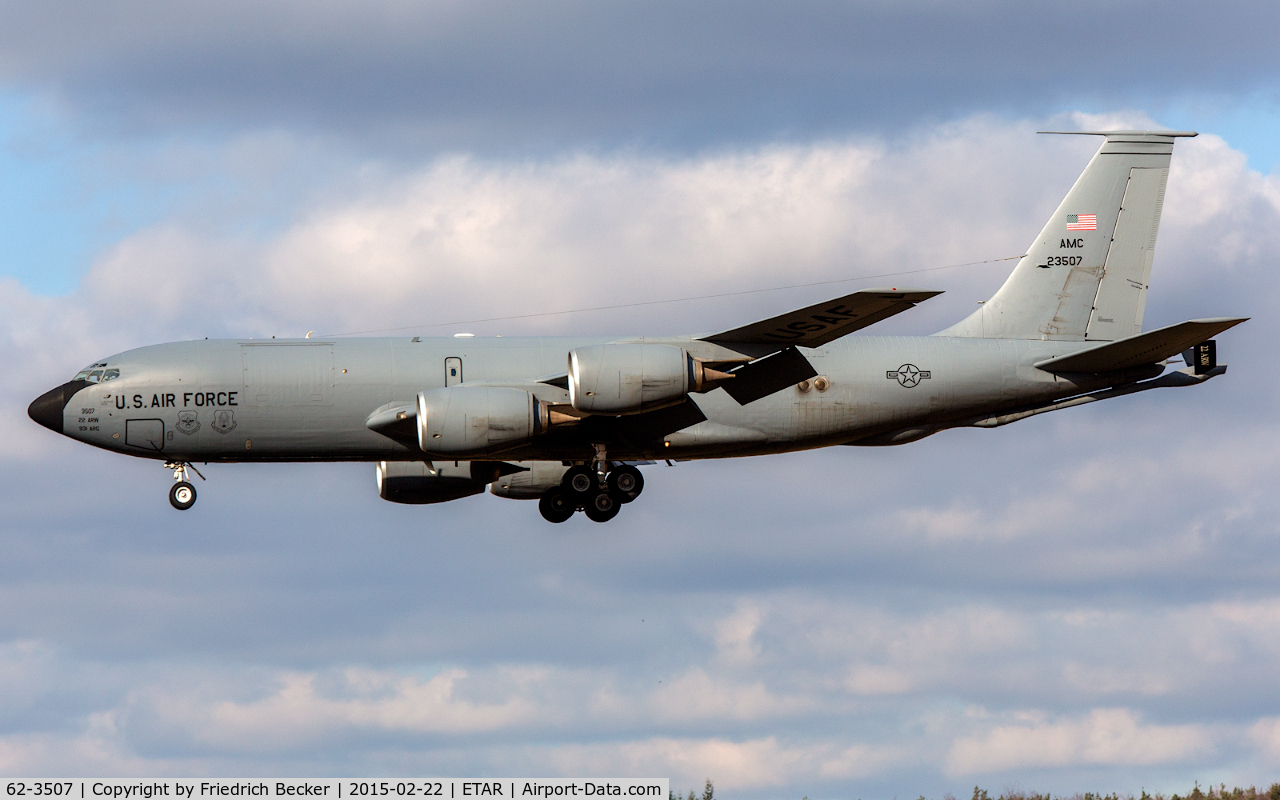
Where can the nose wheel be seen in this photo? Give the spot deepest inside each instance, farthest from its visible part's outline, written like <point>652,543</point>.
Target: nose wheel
<point>183,495</point>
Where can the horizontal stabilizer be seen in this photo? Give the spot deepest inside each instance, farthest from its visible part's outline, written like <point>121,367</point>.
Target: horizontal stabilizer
<point>1122,136</point>
<point>818,324</point>
<point>1145,348</point>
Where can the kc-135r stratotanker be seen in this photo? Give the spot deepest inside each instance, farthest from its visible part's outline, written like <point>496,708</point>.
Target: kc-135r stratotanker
<point>566,420</point>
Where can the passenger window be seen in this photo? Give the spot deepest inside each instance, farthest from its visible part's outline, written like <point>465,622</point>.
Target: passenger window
<point>94,376</point>
<point>110,375</point>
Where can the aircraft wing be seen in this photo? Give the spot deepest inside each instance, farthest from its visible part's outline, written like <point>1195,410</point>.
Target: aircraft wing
<point>1145,348</point>
<point>818,324</point>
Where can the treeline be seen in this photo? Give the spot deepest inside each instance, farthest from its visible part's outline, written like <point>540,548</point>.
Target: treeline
<point>1220,792</point>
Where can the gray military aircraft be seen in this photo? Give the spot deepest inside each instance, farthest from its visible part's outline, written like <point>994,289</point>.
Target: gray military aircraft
<point>567,420</point>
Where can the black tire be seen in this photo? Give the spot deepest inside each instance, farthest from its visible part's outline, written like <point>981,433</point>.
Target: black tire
<point>556,506</point>
<point>602,507</point>
<point>182,496</point>
<point>580,483</point>
<point>626,483</point>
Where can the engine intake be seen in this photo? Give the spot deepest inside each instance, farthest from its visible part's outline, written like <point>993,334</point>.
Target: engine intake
<point>632,378</point>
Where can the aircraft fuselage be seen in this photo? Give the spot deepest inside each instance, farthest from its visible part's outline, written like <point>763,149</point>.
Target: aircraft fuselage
<point>566,420</point>
<point>309,400</point>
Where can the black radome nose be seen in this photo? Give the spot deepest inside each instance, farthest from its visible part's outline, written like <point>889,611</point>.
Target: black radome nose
<point>47,408</point>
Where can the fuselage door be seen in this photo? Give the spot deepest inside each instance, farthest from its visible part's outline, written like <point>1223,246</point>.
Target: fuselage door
<point>452,371</point>
<point>147,434</point>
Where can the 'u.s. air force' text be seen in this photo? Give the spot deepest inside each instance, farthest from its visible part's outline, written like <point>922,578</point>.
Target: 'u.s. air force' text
<point>170,400</point>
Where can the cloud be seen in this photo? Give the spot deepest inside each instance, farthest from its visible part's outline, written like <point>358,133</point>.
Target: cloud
<point>463,238</point>
<point>300,714</point>
<point>756,763</point>
<point>816,621</point>
<point>1072,489</point>
<point>751,765</point>
<point>486,74</point>
<point>1103,737</point>
<point>698,697</point>
<point>467,239</point>
<point>1265,734</point>
<point>735,635</point>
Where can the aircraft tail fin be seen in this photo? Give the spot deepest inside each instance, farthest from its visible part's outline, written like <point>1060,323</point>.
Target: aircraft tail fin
<point>1085,276</point>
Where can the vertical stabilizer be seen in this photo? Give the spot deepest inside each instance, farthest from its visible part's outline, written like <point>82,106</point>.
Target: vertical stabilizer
<point>1085,276</point>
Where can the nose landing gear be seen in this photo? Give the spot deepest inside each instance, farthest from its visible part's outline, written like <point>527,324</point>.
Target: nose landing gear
<point>183,495</point>
<point>599,491</point>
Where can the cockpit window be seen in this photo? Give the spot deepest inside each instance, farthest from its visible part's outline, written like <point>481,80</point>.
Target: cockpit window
<point>96,375</point>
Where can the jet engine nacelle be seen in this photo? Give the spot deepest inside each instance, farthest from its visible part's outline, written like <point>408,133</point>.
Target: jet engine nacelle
<point>464,421</point>
<point>420,482</point>
<point>631,378</point>
<point>530,483</point>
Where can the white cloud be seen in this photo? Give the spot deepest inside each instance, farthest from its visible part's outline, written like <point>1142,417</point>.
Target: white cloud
<point>873,680</point>
<point>463,238</point>
<point>1112,737</point>
<point>735,635</point>
<point>697,696</point>
<point>822,620</point>
<point>301,712</point>
<point>752,764</point>
<point>1265,734</point>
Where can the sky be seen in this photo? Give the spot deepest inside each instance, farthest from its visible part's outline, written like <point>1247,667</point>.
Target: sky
<point>1083,601</point>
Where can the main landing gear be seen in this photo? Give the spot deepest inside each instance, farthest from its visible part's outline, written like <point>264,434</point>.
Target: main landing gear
<point>600,492</point>
<point>183,495</point>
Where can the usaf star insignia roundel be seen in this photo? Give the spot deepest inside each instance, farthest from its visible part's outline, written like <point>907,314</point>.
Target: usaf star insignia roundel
<point>908,375</point>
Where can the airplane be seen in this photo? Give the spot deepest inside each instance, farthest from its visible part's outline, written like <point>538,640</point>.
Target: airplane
<point>567,421</point>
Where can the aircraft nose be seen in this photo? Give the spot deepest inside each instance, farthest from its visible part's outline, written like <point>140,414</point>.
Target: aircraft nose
<point>47,408</point>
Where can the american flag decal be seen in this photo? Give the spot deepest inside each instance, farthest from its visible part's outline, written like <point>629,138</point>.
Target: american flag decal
<point>1082,222</point>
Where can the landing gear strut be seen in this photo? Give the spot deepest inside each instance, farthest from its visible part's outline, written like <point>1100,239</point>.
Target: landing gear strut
<point>183,495</point>
<point>599,490</point>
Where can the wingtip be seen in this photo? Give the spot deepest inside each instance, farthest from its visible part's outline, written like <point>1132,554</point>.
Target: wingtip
<point>901,290</point>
